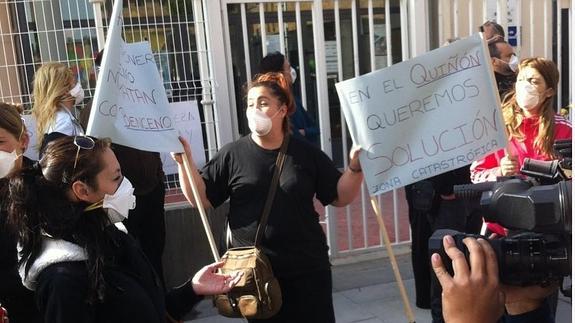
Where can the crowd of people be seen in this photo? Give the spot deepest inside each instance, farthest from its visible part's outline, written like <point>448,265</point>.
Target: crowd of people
<point>527,89</point>
<point>82,229</point>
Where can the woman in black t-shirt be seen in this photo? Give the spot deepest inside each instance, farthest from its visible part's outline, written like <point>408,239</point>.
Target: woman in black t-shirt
<point>294,240</point>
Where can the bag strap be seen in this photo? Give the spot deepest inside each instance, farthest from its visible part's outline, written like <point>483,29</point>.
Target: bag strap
<point>271,193</point>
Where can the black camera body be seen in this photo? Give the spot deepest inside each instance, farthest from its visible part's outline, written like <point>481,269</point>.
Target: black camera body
<point>537,212</point>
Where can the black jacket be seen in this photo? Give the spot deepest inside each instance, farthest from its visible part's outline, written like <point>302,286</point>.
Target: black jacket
<point>132,294</point>
<point>18,300</point>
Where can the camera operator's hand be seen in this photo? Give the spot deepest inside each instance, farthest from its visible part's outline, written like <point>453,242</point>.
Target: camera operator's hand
<point>509,165</point>
<point>519,300</point>
<point>472,295</point>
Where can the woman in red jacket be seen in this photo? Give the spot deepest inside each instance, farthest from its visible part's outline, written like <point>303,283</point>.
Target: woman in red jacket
<point>531,123</point>
<point>530,120</point>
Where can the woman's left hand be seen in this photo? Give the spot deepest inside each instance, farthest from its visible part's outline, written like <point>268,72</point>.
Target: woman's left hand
<point>207,281</point>
<point>354,158</point>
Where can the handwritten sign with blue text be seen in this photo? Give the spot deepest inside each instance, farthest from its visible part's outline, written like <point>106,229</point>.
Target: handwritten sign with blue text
<point>130,103</point>
<point>426,116</point>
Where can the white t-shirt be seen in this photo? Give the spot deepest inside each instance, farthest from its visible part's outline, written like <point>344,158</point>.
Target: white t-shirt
<point>66,123</point>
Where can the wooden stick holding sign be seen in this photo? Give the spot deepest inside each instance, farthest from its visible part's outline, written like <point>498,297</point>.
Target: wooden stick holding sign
<point>200,207</point>
<point>406,304</point>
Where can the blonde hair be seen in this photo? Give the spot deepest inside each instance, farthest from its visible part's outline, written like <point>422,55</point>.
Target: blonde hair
<point>51,88</point>
<point>513,115</point>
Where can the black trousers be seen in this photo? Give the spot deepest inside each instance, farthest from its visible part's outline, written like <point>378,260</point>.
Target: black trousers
<point>305,298</point>
<point>146,223</point>
<point>420,261</point>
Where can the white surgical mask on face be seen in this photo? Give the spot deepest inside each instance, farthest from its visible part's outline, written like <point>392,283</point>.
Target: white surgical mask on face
<point>293,75</point>
<point>7,161</point>
<point>259,122</point>
<point>77,92</point>
<point>526,95</point>
<point>119,204</point>
<point>513,63</point>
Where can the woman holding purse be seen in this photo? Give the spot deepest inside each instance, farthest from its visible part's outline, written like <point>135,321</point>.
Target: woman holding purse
<point>293,240</point>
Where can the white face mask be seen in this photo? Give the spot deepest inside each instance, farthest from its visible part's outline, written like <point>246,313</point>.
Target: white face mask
<point>293,74</point>
<point>119,204</point>
<point>7,161</point>
<point>78,93</point>
<point>259,122</point>
<point>526,95</point>
<point>513,63</point>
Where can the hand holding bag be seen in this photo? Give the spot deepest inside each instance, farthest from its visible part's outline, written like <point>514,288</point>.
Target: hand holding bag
<point>257,295</point>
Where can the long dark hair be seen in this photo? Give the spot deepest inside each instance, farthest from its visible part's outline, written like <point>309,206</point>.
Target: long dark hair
<point>40,206</point>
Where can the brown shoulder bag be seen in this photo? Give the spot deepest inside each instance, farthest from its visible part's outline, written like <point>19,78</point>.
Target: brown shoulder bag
<point>257,295</point>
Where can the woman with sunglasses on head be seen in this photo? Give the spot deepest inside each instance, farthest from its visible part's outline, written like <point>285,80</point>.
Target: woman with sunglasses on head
<point>81,267</point>
<point>293,240</point>
<point>13,142</point>
<point>56,90</point>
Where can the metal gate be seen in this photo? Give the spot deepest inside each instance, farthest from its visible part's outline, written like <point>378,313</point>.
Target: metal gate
<point>326,41</point>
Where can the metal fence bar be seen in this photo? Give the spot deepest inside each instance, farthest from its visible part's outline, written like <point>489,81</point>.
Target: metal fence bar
<point>371,35</point>
<point>455,16</point>
<point>404,31</point>
<point>300,54</point>
<point>388,33</point>
<point>246,42</point>
<point>281,28</point>
<point>202,55</point>
<point>531,28</point>
<point>343,124</point>
<point>6,63</point>
<point>263,32</point>
<point>354,37</point>
<point>224,92</point>
<point>471,14</point>
<point>502,14</point>
<point>547,21</point>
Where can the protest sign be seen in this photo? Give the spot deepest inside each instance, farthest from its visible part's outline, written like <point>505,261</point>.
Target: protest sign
<point>130,103</point>
<point>186,119</point>
<point>426,116</point>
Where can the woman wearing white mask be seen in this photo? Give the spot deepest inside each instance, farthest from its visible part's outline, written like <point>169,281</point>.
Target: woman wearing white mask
<point>13,142</point>
<point>530,121</point>
<point>81,267</point>
<point>293,240</point>
<point>56,90</point>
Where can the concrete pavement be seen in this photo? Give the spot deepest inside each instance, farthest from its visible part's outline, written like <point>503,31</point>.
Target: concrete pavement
<point>366,292</point>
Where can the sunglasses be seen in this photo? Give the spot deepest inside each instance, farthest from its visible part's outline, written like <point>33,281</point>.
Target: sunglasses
<point>82,142</point>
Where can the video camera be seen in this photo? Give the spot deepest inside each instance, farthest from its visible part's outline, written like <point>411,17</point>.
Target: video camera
<point>537,212</point>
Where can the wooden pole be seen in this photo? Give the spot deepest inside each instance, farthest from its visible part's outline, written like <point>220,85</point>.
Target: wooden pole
<point>406,304</point>
<point>200,207</point>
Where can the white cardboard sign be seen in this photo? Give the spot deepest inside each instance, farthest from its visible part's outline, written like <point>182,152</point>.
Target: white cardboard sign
<point>426,116</point>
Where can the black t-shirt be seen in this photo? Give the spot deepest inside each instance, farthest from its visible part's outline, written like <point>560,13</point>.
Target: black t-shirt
<point>242,171</point>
